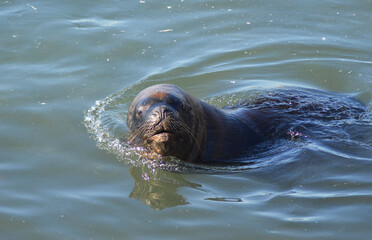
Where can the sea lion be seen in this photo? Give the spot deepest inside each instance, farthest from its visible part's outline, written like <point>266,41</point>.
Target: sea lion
<point>170,122</point>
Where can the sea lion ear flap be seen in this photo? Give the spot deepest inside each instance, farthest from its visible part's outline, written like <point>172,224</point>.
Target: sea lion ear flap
<point>130,116</point>
<point>191,101</point>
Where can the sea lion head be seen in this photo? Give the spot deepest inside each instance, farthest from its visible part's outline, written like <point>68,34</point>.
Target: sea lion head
<point>163,119</point>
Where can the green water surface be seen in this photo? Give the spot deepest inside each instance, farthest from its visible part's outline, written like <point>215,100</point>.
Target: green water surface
<point>57,58</point>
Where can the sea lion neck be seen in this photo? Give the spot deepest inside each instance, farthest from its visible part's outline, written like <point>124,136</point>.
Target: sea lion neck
<point>229,133</point>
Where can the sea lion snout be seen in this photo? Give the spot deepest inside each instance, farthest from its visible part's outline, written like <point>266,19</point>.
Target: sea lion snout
<point>159,112</point>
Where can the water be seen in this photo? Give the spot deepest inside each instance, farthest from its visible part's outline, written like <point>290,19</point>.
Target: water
<point>59,57</point>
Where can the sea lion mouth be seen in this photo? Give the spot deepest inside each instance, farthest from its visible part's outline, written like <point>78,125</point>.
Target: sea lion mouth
<point>158,131</point>
<point>162,133</point>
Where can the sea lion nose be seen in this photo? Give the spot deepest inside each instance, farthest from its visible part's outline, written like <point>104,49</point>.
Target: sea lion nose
<point>160,112</point>
<point>164,110</point>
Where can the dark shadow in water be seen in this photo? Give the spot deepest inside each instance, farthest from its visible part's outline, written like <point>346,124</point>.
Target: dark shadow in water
<point>158,189</point>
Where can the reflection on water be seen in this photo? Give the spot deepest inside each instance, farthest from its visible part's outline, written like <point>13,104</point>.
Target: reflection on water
<point>157,189</point>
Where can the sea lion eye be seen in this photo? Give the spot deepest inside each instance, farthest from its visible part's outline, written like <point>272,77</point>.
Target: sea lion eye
<point>139,112</point>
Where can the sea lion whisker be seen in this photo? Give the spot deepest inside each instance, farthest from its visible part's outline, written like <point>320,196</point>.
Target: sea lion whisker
<point>134,135</point>
<point>182,125</point>
<point>139,132</point>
